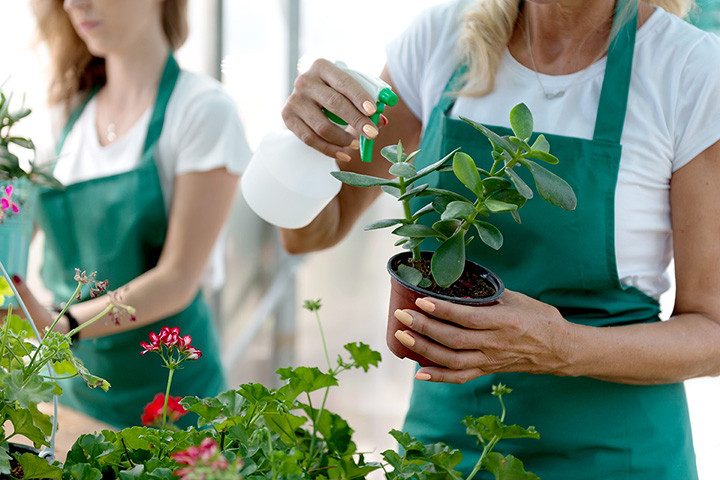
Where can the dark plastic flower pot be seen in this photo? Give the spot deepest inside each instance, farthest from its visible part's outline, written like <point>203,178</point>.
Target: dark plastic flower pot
<point>404,294</point>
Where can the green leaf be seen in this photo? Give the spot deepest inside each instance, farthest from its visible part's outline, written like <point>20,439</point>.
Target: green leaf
<point>404,170</point>
<point>446,228</point>
<point>412,243</point>
<point>448,261</point>
<point>541,144</point>
<point>540,155</point>
<point>489,234</point>
<point>409,274</point>
<point>466,171</point>
<point>389,222</point>
<point>415,230</point>
<point>520,184</point>
<point>35,390</point>
<point>390,153</point>
<point>363,356</point>
<point>83,471</point>
<point>492,136</point>
<point>506,468</point>
<point>425,283</point>
<point>521,121</point>
<point>458,209</point>
<point>493,184</point>
<point>498,206</point>
<point>358,180</point>
<point>551,187</point>
<point>304,380</point>
<point>35,467</point>
<point>394,191</point>
<point>423,211</point>
<point>413,192</point>
<point>510,196</point>
<point>23,142</point>
<point>433,166</point>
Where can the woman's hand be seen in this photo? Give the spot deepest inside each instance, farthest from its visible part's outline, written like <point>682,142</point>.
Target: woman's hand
<point>326,85</point>
<point>519,334</point>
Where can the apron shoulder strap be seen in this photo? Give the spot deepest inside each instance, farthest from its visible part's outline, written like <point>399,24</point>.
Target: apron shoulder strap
<point>167,84</point>
<point>616,84</point>
<point>73,118</point>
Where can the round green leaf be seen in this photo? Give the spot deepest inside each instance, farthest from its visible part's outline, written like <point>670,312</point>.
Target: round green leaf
<point>402,169</point>
<point>448,261</point>
<point>458,209</point>
<point>446,228</point>
<point>409,274</point>
<point>489,234</point>
<point>551,187</point>
<point>521,121</point>
<point>415,231</point>
<point>466,171</point>
<point>497,206</point>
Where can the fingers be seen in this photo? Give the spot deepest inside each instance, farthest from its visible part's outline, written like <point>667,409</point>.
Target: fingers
<point>478,317</point>
<point>327,86</point>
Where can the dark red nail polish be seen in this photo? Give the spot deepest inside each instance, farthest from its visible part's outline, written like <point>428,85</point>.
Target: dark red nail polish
<point>16,279</point>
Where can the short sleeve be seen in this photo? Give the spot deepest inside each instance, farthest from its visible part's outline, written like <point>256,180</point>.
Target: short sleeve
<point>697,116</point>
<point>208,132</point>
<point>423,57</point>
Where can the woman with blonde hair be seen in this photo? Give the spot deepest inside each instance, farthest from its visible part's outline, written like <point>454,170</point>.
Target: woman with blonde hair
<point>627,94</point>
<point>150,156</point>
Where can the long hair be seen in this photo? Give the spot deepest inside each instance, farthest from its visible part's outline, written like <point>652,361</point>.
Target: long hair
<point>73,68</point>
<point>488,26</point>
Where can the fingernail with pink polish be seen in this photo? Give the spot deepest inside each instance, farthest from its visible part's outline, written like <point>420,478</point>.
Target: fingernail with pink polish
<point>422,376</point>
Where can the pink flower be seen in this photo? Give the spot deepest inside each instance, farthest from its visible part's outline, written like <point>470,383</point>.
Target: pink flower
<point>171,339</point>
<point>6,201</point>
<point>203,461</point>
<point>153,411</point>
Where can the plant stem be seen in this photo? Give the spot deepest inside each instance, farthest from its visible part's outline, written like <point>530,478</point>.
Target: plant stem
<point>490,445</point>
<point>167,396</point>
<point>408,216</point>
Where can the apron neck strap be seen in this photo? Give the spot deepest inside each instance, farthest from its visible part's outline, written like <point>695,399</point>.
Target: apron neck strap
<point>73,118</point>
<point>169,77</point>
<point>616,83</point>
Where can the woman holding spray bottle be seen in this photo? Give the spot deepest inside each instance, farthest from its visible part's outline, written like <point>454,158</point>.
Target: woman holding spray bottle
<point>629,93</point>
<point>150,156</point>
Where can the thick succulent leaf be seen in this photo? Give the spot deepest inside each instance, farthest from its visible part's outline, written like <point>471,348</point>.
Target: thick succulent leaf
<point>413,242</point>
<point>446,228</point>
<point>413,192</point>
<point>510,196</point>
<point>423,211</point>
<point>520,184</point>
<point>448,261</point>
<point>390,153</point>
<point>521,121</point>
<point>433,166</point>
<point>458,209</point>
<point>492,136</point>
<point>551,187</point>
<point>409,274</point>
<point>402,169</point>
<point>466,171</point>
<point>545,157</point>
<point>388,222</point>
<point>415,231</point>
<point>358,180</point>
<point>493,184</point>
<point>390,190</point>
<point>541,144</point>
<point>498,206</point>
<point>489,234</point>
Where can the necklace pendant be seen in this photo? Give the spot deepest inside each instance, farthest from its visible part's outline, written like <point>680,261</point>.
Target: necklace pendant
<point>111,133</point>
<point>551,96</point>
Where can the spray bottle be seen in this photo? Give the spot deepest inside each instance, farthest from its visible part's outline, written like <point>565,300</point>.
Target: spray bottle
<point>288,183</point>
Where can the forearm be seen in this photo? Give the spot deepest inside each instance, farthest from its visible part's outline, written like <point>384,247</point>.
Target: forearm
<point>686,346</point>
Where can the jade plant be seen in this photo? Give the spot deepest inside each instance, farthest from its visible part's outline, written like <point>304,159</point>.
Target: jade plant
<point>493,190</point>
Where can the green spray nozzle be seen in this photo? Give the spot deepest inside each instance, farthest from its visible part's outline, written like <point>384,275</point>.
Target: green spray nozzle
<point>384,96</point>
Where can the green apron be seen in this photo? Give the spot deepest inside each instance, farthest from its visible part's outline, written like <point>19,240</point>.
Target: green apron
<point>589,429</point>
<point>116,225</point>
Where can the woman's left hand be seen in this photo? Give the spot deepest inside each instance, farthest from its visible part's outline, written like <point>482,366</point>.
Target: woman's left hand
<point>518,334</point>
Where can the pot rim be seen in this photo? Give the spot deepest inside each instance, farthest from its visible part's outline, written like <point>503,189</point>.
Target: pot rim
<point>486,274</point>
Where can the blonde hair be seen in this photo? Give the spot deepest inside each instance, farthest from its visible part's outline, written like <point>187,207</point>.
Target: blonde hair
<point>488,26</point>
<point>73,68</point>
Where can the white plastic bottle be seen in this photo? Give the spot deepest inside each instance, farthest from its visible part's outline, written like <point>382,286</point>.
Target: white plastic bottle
<point>288,183</point>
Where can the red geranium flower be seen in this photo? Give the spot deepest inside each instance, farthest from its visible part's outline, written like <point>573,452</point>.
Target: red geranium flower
<point>153,411</point>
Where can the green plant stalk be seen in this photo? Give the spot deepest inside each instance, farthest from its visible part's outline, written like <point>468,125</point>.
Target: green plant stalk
<point>6,327</point>
<point>490,445</point>
<point>409,217</point>
<point>167,396</point>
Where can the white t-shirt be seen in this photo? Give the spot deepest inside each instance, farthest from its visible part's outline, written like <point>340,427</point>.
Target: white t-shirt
<point>673,115</point>
<point>202,131</point>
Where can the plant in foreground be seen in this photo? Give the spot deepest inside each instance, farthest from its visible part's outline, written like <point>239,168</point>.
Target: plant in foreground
<point>498,189</point>
<point>254,432</point>
<point>30,366</point>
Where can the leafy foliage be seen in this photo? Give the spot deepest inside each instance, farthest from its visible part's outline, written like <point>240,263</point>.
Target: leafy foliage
<point>10,168</point>
<point>494,191</point>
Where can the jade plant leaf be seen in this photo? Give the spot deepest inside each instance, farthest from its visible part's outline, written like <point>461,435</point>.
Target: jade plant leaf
<point>522,187</point>
<point>404,170</point>
<point>541,144</point>
<point>466,171</point>
<point>489,234</point>
<point>409,274</point>
<point>446,228</point>
<point>498,206</point>
<point>492,136</point>
<point>448,262</point>
<point>458,209</point>
<point>521,121</point>
<point>551,187</point>
<point>545,157</point>
<point>358,180</point>
<point>415,230</point>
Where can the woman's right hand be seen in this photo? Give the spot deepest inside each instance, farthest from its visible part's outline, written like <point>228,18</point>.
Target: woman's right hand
<point>326,85</point>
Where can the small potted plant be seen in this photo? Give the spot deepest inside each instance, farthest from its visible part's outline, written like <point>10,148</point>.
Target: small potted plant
<point>18,188</point>
<point>456,217</point>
